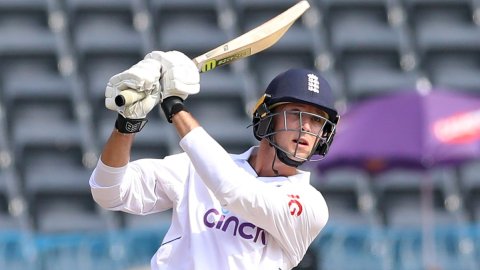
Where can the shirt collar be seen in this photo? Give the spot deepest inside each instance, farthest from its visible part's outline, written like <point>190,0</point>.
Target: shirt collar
<point>301,176</point>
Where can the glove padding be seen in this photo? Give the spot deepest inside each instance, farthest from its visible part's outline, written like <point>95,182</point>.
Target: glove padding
<point>142,77</point>
<point>180,76</point>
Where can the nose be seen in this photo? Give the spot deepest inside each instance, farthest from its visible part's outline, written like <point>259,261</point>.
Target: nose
<point>306,125</point>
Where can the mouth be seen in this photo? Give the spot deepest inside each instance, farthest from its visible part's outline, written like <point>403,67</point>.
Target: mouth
<point>301,142</point>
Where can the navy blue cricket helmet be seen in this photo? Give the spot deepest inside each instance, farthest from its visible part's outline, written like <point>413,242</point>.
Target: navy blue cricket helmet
<point>296,85</point>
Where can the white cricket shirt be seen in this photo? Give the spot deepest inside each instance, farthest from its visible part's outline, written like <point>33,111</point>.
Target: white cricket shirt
<point>224,215</point>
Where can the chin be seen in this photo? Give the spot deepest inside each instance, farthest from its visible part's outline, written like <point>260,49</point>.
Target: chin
<point>302,151</point>
<point>300,156</point>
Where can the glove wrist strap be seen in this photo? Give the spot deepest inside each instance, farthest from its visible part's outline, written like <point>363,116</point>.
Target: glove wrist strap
<point>171,106</point>
<point>127,125</point>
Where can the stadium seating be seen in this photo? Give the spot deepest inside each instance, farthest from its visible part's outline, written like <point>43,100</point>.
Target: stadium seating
<point>191,19</point>
<point>103,27</point>
<point>470,188</point>
<point>343,191</point>
<point>402,192</point>
<point>57,57</point>
<point>455,70</point>
<point>24,28</point>
<point>361,29</point>
<point>7,221</point>
<point>373,74</point>
<point>447,39</point>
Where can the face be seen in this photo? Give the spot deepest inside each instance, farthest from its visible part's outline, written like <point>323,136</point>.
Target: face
<point>298,127</point>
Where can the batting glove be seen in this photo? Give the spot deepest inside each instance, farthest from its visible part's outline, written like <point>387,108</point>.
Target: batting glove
<point>180,78</point>
<point>142,79</point>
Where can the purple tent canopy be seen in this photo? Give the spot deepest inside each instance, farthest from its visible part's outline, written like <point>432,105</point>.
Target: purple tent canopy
<point>408,129</point>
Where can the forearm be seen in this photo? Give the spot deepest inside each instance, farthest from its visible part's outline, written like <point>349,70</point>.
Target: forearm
<point>184,123</point>
<point>116,152</point>
<point>108,174</point>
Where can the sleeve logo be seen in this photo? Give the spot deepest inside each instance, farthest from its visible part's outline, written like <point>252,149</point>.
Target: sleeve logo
<point>296,208</point>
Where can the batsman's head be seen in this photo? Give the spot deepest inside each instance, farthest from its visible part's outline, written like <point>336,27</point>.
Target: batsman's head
<point>297,116</point>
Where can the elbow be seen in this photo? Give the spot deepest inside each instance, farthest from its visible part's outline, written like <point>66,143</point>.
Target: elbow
<point>105,199</point>
<point>106,196</point>
<point>98,199</point>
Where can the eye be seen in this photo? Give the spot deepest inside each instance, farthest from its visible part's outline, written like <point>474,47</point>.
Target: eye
<point>316,118</point>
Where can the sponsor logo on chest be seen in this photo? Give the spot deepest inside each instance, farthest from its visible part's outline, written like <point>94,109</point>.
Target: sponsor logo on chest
<point>223,221</point>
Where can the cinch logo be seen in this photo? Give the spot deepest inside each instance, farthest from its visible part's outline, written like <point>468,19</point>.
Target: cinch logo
<point>313,84</point>
<point>295,206</point>
<point>213,219</point>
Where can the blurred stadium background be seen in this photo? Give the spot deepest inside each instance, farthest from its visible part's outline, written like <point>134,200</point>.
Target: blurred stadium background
<point>57,55</point>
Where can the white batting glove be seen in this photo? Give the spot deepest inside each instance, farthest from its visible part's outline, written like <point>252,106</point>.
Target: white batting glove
<point>143,78</point>
<point>180,76</point>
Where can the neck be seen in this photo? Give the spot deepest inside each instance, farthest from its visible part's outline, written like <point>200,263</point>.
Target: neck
<point>261,161</point>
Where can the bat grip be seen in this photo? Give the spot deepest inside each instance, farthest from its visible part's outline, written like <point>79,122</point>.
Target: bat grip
<point>128,97</point>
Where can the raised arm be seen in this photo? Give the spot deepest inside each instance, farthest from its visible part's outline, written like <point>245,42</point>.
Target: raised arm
<point>116,152</point>
<point>140,186</point>
<point>143,78</point>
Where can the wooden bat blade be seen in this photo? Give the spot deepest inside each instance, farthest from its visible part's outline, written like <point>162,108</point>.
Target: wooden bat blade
<point>252,42</point>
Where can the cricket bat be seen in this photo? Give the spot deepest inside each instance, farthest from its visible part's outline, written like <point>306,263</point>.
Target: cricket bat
<point>250,43</point>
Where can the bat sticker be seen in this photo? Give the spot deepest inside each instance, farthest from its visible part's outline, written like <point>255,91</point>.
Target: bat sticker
<point>209,65</point>
<point>220,62</point>
<point>233,57</point>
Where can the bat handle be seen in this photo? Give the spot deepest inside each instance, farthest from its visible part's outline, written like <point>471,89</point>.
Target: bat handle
<point>128,97</point>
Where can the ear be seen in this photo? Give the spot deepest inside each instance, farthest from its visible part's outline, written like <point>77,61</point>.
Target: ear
<point>261,121</point>
<point>264,127</point>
